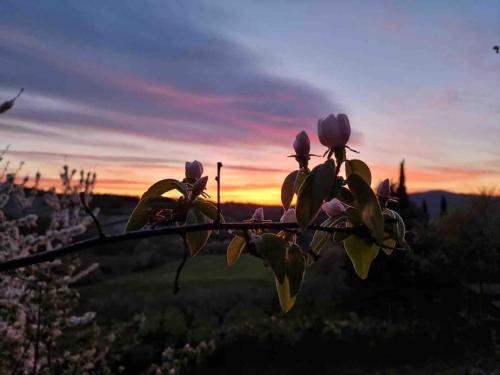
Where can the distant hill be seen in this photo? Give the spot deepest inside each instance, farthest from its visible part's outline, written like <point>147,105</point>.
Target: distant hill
<point>116,206</point>
<point>433,199</point>
<point>115,209</point>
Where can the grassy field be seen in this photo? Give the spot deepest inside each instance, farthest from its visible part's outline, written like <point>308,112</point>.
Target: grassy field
<point>204,271</point>
<point>209,288</point>
<point>237,306</point>
<point>209,292</point>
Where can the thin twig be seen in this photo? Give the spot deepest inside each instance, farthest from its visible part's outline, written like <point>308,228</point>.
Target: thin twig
<point>219,166</point>
<point>89,211</point>
<point>37,337</point>
<point>185,257</point>
<point>21,359</point>
<point>118,238</point>
<point>18,94</point>
<point>356,151</point>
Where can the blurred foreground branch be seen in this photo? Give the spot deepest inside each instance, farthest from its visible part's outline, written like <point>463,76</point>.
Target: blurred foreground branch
<point>100,241</point>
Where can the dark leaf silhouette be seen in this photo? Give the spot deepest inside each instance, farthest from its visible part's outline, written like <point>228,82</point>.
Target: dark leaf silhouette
<point>5,106</point>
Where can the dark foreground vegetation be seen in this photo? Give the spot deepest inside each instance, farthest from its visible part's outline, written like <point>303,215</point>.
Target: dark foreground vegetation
<point>432,310</point>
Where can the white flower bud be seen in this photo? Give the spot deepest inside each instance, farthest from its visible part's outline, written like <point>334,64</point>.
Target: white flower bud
<point>333,208</point>
<point>289,216</point>
<point>384,189</point>
<point>194,170</point>
<point>258,215</point>
<point>334,131</point>
<point>302,144</point>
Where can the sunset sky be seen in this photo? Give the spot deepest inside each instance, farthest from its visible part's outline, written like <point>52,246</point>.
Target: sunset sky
<point>133,89</point>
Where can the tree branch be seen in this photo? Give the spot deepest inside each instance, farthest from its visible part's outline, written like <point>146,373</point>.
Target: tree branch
<point>95,242</point>
<point>185,257</point>
<point>21,359</point>
<point>37,337</point>
<point>219,166</point>
<point>89,211</point>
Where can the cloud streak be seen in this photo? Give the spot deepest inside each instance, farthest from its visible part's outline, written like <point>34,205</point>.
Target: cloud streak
<point>202,87</point>
<point>135,91</point>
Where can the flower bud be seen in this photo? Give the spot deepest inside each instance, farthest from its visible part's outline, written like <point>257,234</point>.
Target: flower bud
<point>289,216</point>
<point>5,106</point>
<point>258,215</point>
<point>333,208</point>
<point>199,186</point>
<point>194,170</point>
<point>384,189</point>
<point>302,144</point>
<point>334,132</point>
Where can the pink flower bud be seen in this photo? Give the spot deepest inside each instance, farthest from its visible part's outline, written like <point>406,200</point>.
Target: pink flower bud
<point>384,189</point>
<point>258,215</point>
<point>333,208</point>
<point>334,131</point>
<point>289,216</point>
<point>194,170</point>
<point>199,186</point>
<point>302,144</point>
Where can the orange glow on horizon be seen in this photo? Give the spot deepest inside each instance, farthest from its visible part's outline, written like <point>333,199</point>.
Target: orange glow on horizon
<point>269,193</point>
<point>271,196</point>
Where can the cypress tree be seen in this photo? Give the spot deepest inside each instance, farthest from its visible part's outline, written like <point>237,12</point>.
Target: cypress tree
<point>401,192</point>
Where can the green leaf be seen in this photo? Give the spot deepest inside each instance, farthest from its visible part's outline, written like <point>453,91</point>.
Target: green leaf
<point>313,191</point>
<point>196,241</point>
<point>301,176</point>
<point>353,215</point>
<point>295,267</point>
<point>389,244</point>
<point>360,168</point>
<point>163,186</point>
<point>345,196</point>
<point>207,208</point>
<point>284,295</point>
<point>368,205</point>
<point>361,254</point>
<point>273,249</point>
<point>340,236</point>
<point>142,212</point>
<point>396,230</point>
<point>234,249</point>
<point>335,190</point>
<point>320,238</point>
<point>288,189</point>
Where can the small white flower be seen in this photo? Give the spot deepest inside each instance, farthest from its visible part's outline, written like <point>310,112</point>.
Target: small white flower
<point>289,216</point>
<point>258,215</point>
<point>333,208</point>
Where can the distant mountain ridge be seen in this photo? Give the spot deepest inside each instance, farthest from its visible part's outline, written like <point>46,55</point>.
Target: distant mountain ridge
<point>239,211</point>
<point>118,207</point>
<point>433,200</point>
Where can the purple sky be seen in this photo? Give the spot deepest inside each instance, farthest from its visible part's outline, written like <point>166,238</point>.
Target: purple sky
<point>133,91</point>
